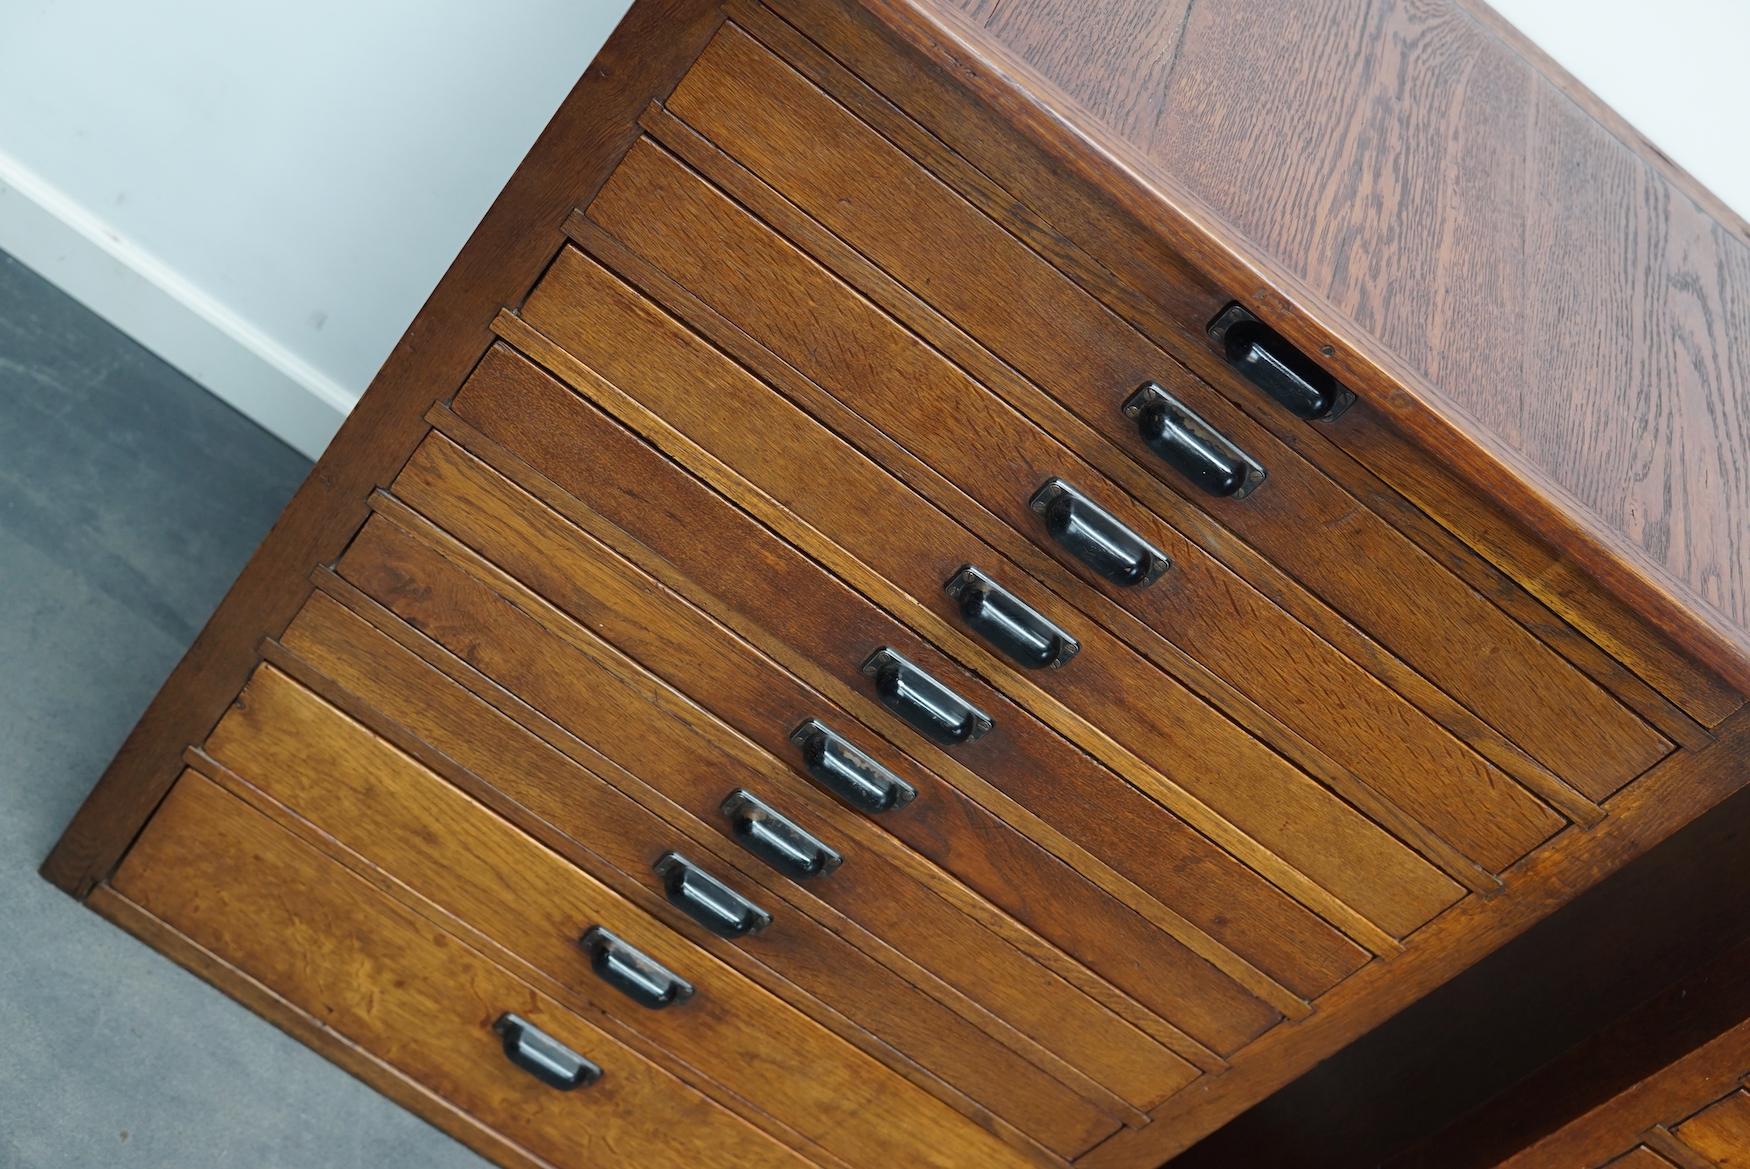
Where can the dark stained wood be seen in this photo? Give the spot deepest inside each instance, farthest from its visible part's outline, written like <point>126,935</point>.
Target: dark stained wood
<point>1088,359</point>
<point>1161,296</point>
<point>500,261</point>
<point>1532,1035</point>
<point>214,869</point>
<point>379,803</point>
<point>578,448</point>
<point>923,921</point>
<point>1721,1132</point>
<point>1647,812</point>
<point>454,723</point>
<point>1414,768</point>
<point>663,633</point>
<point>1620,437</point>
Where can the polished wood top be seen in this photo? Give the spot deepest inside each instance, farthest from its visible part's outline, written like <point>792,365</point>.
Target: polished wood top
<point>1498,261</point>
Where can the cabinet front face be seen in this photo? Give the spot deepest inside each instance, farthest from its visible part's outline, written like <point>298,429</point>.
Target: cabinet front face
<point>793,664</point>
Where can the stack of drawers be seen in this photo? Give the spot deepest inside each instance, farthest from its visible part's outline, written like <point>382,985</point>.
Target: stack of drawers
<point>826,688</point>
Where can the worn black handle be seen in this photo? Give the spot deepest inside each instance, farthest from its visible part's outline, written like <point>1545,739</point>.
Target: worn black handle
<point>922,701</point>
<point>633,973</point>
<point>707,900</point>
<point>1190,445</point>
<point>847,772</point>
<point>1095,537</point>
<point>776,839</point>
<point>1266,359</point>
<point>1016,628</point>
<point>543,1056</point>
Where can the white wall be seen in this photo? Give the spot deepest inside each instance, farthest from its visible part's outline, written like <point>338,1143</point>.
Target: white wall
<point>265,191</point>
<point>1676,69</point>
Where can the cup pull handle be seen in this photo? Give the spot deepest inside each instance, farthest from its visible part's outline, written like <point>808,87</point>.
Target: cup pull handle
<point>544,1057</point>
<point>633,973</point>
<point>1190,445</point>
<point>1022,633</point>
<point>707,900</point>
<point>776,839</point>
<point>924,702</point>
<point>1095,537</point>
<point>847,772</point>
<point>1266,359</point>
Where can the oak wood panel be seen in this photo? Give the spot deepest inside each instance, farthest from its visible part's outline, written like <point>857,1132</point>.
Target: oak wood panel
<point>891,533</point>
<point>640,61</point>
<point>1087,358</point>
<point>1641,1158</point>
<point>1292,185</point>
<point>577,447</point>
<point>1122,261</point>
<point>1671,795</point>
<point>651,204</point>
<point>379,803</point>
<point>244,888</point>
<point>1721,1132</point>
<point>604,698</point>
<point>796,958</point>
<point>307,1029</point>
<point>595,587</point>
<point>1663,1142</point>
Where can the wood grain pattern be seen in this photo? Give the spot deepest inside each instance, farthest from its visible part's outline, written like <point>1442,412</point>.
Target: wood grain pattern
<point>1721,1132</point>
<point>1088,359</point>
<point>559,783</point>
<point>893,534</point>
<point>616,706</point>
<point>499,263</point>
<point>1300,184</point>
<point>1133,267</point>
<point>379,803</point>
<point>666,635</point>
<point>242,887</point>
<point>578,448</point>
<point>1648,811</point>
<point>1641,1158</point>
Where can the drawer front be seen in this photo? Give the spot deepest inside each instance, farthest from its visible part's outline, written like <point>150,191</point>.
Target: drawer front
<point>1411,772</point>
<point>414,997</point>
<point>559,783</point>
<point>604,698</point>
<point>595,586</point>
<point>1074,363</point>
<point>633,487</point>
<point>1721,1132</point>
<point>375,800</point>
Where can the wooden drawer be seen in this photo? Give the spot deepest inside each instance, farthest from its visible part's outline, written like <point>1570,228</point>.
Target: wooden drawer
<point>551,784</point>
<point>580,449</point>
<point>924,920</point>
<point>1065,364</point>
<point>376,801</point>
<point>248,891</point>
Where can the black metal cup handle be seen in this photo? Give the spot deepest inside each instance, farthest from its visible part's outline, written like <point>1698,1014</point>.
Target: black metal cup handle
<point>1095,537</point>
<point>776,839</point>
<point>707,900</point>
<point>1190,445</point>
<point>847,772</point>
<point>1022,633</point>
<point>544,1057</point>
<point>633,973</point>
<point>924,702</point>
<point>1266,359</point>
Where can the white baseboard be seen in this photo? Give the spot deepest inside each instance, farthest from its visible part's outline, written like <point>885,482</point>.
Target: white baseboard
<point>149,301</point>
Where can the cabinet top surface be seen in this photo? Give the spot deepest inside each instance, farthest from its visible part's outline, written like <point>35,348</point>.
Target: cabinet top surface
<point>1568,315</point>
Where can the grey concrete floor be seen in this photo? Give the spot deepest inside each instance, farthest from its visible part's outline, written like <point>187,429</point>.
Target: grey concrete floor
<point>129,498</point>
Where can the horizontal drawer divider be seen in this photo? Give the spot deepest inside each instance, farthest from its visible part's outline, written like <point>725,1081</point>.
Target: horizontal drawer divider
<point>858,836</point>
<point>965,352</point>
<point>632,811</point>
<point>1071,724</point>
<point>509,465</point>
